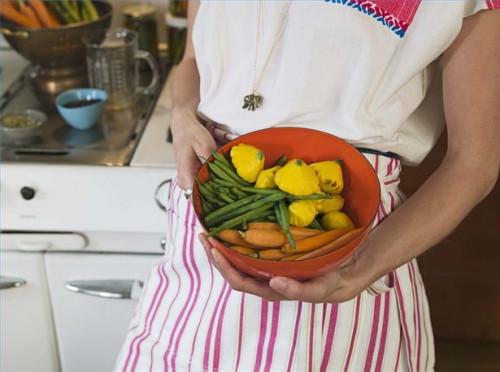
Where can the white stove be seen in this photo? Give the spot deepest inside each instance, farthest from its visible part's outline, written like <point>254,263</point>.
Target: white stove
<point>77,240</point>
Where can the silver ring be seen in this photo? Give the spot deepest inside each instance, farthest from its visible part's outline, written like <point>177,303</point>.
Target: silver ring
<point>188,192</point>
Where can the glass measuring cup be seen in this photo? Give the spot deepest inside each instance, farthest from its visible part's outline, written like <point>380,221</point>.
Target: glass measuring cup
<point>113,65</point>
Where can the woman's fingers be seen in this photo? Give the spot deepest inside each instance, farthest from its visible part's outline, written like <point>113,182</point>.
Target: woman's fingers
<point>187,166</point>
<point>311,291</point>
<point>193,145</point>
<point>238,281</point>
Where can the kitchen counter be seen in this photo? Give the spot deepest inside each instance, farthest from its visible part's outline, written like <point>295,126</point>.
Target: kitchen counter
<point>153,149</point>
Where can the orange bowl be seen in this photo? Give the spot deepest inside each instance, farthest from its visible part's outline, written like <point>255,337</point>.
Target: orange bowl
<point>361,194</point>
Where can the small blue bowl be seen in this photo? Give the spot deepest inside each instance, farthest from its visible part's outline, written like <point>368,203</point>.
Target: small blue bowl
<point>87,108</point>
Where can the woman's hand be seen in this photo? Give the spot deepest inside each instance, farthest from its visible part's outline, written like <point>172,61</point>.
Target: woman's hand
<point>193,144</point>
<point>336,286</point>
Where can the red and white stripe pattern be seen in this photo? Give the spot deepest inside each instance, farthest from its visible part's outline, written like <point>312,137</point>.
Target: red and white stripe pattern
<point>189,319</point>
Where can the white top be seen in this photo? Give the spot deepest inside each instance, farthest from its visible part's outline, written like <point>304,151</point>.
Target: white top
<point>357,69</point>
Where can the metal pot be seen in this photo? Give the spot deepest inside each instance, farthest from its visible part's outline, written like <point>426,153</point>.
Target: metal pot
<point>60,47</point>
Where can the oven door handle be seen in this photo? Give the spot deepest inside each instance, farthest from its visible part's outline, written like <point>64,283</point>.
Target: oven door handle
<point>107,288</point>
<point>160,191</point>
<point>7,282</point>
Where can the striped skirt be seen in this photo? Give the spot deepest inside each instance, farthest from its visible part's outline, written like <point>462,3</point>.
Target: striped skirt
<point>189,319</point>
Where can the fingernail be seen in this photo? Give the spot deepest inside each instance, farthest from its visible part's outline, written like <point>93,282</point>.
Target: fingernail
<point>215,256</point>
<point>279,284</point>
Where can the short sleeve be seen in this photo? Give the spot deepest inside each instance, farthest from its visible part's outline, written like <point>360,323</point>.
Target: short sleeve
<point>474,6</point>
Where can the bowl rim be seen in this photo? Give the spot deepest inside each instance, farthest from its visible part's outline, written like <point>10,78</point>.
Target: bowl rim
<point>372,171</point>
<point>108,12</point>
<point>61,95</point>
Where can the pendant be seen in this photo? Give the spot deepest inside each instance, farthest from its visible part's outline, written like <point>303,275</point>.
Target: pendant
<point>252,102</point>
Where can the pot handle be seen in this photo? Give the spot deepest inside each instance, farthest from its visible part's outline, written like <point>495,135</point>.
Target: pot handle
<point>20,34</point>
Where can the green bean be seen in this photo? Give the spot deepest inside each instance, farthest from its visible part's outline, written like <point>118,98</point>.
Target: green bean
<point>217,171</point>
<point>255,190</point>
<point>281,161</point>
<point>231,173</point>
<point>285,223</point>
<point>218,156</point>
<point>218,181</point>
<point>316,225</point>
<point>311,197</point>
<point>238,192</point>
<point>91,10</point>
<point>240,203</point>
<point>226,198</point>
<point>240,219</point>
<point>245,208</point>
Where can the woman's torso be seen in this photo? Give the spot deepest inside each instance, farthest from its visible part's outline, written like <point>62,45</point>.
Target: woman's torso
<point>357,69</point>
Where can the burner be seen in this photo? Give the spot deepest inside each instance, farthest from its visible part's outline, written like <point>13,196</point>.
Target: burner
<point>111,142</point>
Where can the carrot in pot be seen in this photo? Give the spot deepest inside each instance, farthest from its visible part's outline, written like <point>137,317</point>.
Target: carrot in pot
<point>245,250</point>
<point>303,232</point>
<point>234,237</point>
<point>28,12</point>
<point>263,226</point>
<point>265,238</point>
<point>8,11</point>
<point>292,257</point>
<point>47,18</point>
<point>334,245</point>
<point>315,241</point>
<point>271,254</point>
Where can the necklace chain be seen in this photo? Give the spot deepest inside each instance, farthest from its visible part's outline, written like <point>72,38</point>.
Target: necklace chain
<point>255,97</point>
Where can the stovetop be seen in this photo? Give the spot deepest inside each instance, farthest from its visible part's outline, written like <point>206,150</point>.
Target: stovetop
<point>111,142</point>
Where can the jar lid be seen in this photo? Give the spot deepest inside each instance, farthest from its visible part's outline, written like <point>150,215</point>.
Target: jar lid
<point>137,11</point>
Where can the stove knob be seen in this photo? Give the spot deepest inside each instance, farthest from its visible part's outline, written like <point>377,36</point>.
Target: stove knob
<point>27,193</point>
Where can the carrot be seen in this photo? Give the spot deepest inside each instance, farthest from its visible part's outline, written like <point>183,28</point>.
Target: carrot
<point>28,12</point>
<point>234,237</point>
<point>47,18</point>
<point>297,232</point>
<point>263,226</point>
<point>265,238</point>
<point>292,257</point>
<point>334,245</point>
<point>315,241</point>
<point>245,250</point>
<point>8,11</point>
<point>271,254</point>
<point>303,232</point>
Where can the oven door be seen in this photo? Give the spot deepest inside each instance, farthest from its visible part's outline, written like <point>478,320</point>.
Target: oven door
<point>94,297</point>
<point>28,340</point>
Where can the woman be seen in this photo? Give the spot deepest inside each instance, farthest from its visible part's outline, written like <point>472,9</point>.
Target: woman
<point>359,70</point>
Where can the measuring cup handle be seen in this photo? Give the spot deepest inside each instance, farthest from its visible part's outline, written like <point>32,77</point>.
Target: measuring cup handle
<point>141,54</point>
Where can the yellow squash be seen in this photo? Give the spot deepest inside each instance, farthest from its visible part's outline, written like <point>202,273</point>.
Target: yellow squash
<point>330,176</point>
<point>302,212</point>
<point>248,161</point>
<point>336,220</point>
<point>336,203</point>
<point>297,178</point>
<point>265,179</point>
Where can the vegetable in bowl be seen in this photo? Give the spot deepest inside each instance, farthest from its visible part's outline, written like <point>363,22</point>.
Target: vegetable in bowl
<point>274,213</point>
<point>34,14</point>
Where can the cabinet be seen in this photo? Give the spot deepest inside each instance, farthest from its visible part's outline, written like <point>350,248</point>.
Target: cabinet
<point>27,331</point>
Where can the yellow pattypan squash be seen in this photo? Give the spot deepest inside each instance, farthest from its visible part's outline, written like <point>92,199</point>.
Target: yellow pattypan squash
<point>297,178</point>
<point>336,220</point>
<point>265,179</point>
<point>336,203</point>
<point>330,176</point>
<point>248,161</point>
<point>302,213</point>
